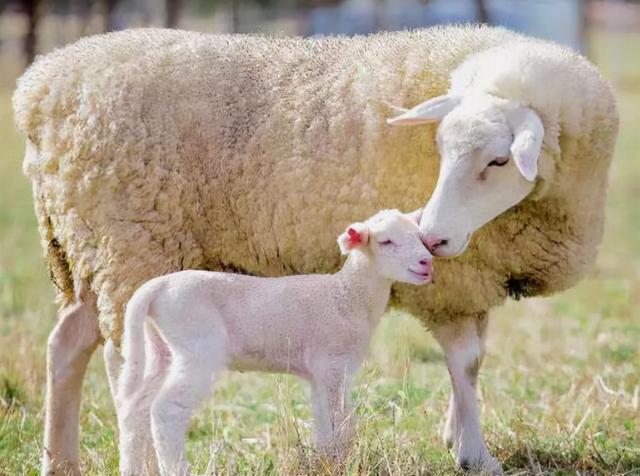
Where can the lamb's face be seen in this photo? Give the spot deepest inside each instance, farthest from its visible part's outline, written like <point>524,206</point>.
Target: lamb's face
<point>393,241</point>
<point>489,150</point>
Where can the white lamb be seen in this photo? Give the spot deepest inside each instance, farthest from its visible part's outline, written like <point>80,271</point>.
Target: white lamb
<point>194,324</point>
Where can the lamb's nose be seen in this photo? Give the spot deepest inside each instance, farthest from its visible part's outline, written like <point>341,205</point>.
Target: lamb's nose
<point>425,265</point>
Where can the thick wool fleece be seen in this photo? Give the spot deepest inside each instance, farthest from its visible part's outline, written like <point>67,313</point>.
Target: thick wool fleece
<point>160,150</point>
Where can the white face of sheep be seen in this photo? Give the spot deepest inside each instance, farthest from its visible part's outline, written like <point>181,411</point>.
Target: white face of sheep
<point>392,239</point>
<point>489,150</point>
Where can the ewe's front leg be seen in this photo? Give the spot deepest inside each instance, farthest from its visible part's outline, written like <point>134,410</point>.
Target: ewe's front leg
<point>463,341</point>
<point>450,428</point>
<point>70,346</point>
<point>334,419</point>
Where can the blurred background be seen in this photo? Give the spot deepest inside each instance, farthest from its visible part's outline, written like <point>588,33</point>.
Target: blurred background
<point>560,387</point>
<point>28,27</point>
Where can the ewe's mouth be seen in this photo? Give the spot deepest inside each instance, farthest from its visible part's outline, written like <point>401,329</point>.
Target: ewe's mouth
<point>458,252</point>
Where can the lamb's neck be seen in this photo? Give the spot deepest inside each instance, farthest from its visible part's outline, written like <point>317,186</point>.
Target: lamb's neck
<point>370,290</point>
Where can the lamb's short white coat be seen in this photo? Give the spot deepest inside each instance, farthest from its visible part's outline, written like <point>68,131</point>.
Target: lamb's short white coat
<point>183,329</point>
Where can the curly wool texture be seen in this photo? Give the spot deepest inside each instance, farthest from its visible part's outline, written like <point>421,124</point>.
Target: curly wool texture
<point>155,151</point>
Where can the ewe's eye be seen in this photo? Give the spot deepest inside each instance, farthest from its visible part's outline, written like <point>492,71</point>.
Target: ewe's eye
<point>498,162</point>
<point>385,242</point>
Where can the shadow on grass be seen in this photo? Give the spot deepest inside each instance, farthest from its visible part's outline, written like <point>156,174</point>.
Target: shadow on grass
<point>426,355</point>
<point>558,459</point>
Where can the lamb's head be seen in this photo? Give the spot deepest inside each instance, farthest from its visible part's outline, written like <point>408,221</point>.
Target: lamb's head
<point>392,240</point>
<point>489,149</point>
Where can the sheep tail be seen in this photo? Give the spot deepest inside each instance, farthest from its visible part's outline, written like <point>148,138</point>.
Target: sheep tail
<point>133,343</point>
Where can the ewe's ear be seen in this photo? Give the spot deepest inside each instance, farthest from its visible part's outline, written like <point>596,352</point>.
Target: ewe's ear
<point>528,133</point>
<point>415,215</point>
<point>357,235</point>
<point>432,110</point>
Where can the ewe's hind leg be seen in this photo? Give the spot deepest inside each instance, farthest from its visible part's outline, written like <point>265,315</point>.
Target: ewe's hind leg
<point>70,346</point>
<point>113,365</point>
<point>463,341</point>
<point>450,425</point>
<point>334,419</point>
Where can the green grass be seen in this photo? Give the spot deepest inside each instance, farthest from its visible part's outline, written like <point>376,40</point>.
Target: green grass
<point>560,388</point>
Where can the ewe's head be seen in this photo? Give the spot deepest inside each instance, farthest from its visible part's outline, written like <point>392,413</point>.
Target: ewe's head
<point>489,150</point>
<point>392,239</point>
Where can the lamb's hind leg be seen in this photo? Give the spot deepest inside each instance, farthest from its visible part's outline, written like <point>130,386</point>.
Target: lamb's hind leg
<point>70,346</point>
<point>137,454</point>
<point>463,341</point>
<point>188,383</point>
<point>198,355</point>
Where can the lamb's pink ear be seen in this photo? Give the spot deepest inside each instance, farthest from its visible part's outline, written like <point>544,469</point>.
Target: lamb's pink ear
<point>528,133</point>
<point>415,215</point>
<point>432,110</point>
<point>355,236</point>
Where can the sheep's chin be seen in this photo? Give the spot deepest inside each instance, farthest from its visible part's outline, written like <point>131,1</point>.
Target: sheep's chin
<point>453,254</point>
<point>417,278</point>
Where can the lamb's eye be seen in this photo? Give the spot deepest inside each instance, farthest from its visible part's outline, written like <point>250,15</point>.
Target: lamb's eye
<point>385,242</point>
<point>498,162</point>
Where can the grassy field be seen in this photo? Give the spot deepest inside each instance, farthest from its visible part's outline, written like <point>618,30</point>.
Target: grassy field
<point>560,388</point>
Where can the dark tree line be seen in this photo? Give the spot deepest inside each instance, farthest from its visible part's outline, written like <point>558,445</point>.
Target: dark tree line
<point>173,8</point>
<point>32,9</point>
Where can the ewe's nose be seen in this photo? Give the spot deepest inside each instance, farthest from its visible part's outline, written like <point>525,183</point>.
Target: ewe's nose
<point>424,261</point>
<point>433,243</point>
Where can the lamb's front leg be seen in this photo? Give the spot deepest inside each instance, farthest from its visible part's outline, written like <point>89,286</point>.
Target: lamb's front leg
<point>334,418</point>
<point>463,341</point>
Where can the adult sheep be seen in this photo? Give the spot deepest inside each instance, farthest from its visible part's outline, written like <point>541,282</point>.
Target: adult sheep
<point>152,151</point>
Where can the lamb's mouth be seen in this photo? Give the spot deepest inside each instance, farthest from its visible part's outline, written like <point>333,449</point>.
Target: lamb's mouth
<point>422,276</point>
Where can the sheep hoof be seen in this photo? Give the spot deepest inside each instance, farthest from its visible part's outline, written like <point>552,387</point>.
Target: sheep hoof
<point>447,437</point>
<point>482,466</point>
